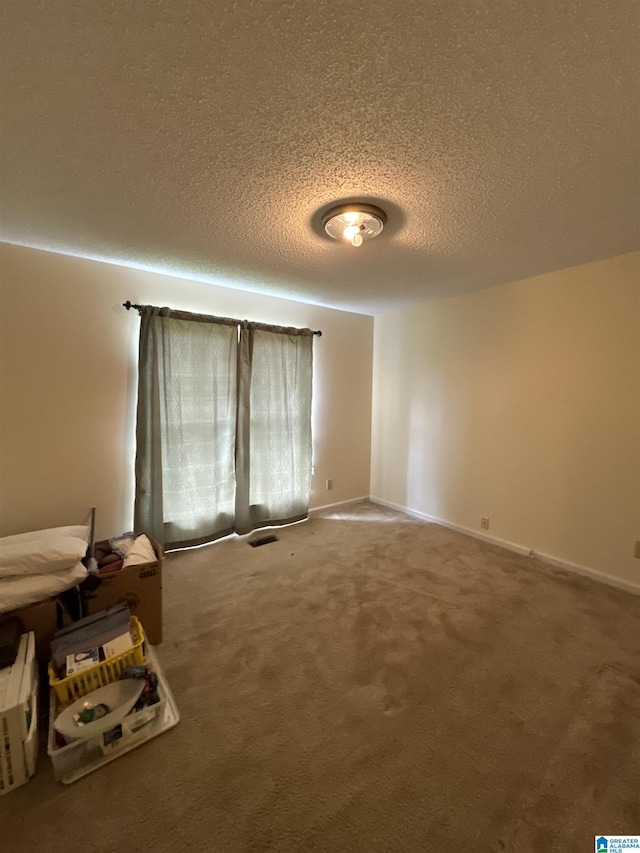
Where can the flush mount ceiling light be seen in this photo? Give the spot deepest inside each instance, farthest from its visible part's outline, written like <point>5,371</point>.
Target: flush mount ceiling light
<point>354,223</point>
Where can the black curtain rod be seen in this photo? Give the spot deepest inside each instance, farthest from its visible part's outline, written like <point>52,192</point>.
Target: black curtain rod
<point>129,305</point>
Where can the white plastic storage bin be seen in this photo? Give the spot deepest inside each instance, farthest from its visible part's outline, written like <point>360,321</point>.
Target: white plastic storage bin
<point>80,757</point>
<point>19,717</point>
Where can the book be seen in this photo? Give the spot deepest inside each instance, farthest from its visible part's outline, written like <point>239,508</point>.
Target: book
<point>79,661</point>
<point>95,631</point>
<point>118,645</point>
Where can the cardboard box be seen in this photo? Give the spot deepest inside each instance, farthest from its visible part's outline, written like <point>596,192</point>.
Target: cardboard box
<point>42,619</point>
<point>139,587</point>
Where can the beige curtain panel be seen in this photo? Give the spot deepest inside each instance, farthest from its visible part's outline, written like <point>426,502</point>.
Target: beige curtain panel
<point>223,426</point>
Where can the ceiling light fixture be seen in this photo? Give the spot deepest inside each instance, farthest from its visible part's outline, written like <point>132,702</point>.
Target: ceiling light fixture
<point>354,222</point>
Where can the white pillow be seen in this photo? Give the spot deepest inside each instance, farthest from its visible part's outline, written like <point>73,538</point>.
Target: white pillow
<point>28,589</point>
<point>42,551</point>
<point>80,531</point>
<point>140,552</point>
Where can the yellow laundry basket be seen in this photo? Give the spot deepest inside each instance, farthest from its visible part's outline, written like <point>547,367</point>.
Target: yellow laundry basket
<point>74,686</point>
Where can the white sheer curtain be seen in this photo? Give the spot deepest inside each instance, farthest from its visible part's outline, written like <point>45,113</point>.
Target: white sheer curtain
<point>223,426</point>
<point>274,460</point>
<point>186,427</point>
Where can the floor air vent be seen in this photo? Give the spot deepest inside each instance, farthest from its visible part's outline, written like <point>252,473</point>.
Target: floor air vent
<point>263,540</point>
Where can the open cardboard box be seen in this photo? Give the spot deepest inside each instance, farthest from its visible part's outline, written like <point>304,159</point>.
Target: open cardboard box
<point>139,587</point>
<point>42,619</point>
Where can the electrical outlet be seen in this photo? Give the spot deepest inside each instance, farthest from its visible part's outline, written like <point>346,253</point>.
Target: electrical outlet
<point>329,485</point>
<point>636,552</point>
<point>484,523</point>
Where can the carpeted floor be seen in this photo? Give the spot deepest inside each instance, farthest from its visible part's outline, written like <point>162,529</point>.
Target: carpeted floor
<point>370,683</point>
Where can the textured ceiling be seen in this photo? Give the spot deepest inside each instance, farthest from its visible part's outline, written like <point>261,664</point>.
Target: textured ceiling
<point>202,138</point>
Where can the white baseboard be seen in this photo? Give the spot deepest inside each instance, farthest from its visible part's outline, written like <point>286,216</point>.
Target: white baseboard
<point>315,509</point>
<point>584,570</point>
<point>519,549</point>
<point>510,546</point>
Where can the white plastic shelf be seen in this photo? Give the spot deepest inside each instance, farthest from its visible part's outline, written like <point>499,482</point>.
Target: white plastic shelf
<point>19,717</point>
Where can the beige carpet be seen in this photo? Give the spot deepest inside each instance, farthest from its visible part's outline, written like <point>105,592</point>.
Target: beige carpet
<point>370,683</point>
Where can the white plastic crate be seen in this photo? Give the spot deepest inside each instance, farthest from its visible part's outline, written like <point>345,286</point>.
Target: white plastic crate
<point>81,757</point>
<point>19,717</point>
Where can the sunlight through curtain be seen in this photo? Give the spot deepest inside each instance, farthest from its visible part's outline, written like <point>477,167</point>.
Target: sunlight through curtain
<point>223,426</point>
<point>274,460</point>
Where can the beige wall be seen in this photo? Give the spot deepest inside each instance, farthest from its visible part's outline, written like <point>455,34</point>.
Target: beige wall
<point>520,403</point>
<point>68,385</point>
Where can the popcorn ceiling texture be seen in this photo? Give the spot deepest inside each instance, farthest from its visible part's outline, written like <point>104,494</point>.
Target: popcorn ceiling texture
<point>202,139</point>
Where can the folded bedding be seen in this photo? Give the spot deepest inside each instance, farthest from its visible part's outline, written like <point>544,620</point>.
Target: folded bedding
<point>19,591</point>
<point>141,551</point>
<point>43,551</point>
